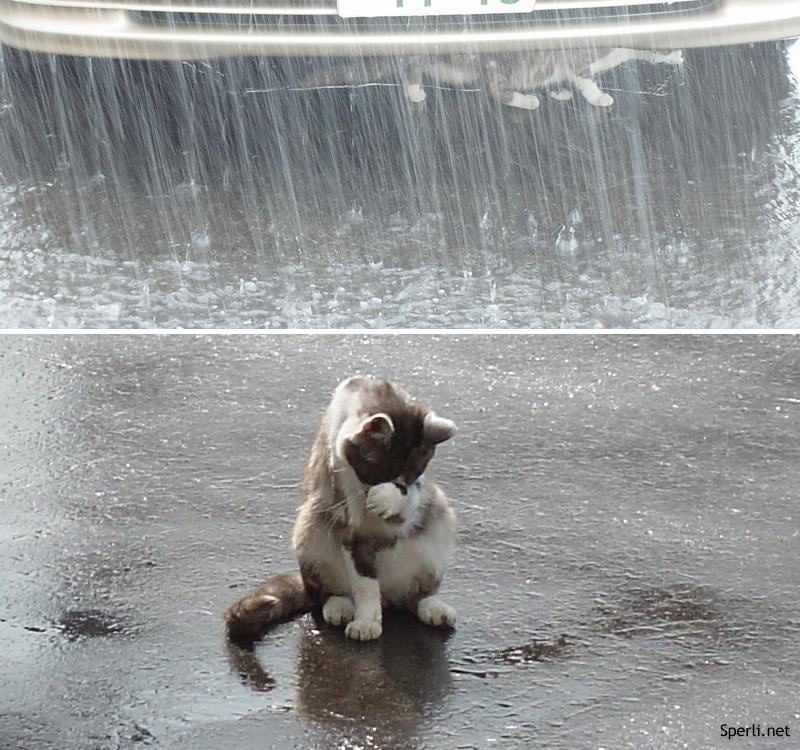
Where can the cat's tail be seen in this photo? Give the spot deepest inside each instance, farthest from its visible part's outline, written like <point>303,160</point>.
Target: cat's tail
<point>278,599</point>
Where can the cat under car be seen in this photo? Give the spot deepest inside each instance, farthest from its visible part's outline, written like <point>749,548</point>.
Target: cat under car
<point>508,77</point>
<point>373,529</point>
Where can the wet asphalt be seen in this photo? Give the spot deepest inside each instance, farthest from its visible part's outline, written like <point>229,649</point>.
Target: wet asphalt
<point>626,575</point>
<point>182,195</point>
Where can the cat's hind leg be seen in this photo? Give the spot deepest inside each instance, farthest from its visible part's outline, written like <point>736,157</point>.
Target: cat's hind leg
<point>433,611</point>
<point>592,92</point>
<point>338,610</point>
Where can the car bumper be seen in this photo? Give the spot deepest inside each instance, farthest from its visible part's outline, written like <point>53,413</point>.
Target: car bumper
<point>147,29</point>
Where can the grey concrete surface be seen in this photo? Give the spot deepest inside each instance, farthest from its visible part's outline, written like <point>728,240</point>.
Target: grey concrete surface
<point>184,195</point>
<point>626,575</point>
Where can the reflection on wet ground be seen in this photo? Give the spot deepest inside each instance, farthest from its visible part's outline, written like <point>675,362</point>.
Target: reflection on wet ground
<point>178,195</point>
<point>626,575</point>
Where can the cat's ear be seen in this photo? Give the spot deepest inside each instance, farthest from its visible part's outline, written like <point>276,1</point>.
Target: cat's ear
<point>437,429</point>
<point>377,428</point>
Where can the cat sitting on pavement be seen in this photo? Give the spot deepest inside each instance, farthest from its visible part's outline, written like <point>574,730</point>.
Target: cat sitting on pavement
<point>372,530</point>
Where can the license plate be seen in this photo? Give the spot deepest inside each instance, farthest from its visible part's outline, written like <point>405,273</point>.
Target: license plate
<point>379,8</point>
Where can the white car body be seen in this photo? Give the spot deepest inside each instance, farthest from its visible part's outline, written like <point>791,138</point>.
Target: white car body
<point>195,29</point>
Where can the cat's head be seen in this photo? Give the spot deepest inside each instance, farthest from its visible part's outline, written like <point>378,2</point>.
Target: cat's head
<point>396,438</point>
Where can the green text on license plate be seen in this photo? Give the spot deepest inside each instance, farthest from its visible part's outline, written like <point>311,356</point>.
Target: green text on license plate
<point>378,8</point>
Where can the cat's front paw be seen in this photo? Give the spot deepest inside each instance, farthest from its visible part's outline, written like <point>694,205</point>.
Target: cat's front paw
<point>364,630</point>
<point>433,611</point>
<point>387,501</point>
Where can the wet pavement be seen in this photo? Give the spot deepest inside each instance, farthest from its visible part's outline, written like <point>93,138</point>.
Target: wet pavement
<point>184,195</point>
<point>626,576</point>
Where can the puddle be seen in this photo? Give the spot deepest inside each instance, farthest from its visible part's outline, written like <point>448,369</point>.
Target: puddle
<point>482,664</point>
<point>533,651</point>
<point>692,616</point>
<point>644,611</point>
<point>89,623</point>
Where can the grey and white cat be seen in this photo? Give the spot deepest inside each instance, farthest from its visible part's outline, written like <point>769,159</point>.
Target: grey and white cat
<point>372,529</point>
<point>508,76</point>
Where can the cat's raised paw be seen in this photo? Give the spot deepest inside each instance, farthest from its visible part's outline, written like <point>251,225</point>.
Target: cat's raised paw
<point>338,610</point>
<point>387,501</point>
<point>364,630</point>
<point>433,611</point>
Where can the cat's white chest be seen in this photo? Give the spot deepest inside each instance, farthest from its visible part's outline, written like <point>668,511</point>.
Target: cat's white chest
<point>401,567</point>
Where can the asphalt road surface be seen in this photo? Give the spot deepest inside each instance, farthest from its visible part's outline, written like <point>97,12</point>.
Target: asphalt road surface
<point>188,195</point>
<point>626,574</point>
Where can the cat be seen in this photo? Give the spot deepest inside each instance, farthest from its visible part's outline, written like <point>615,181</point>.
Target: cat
<point>372,528</point>
<point>510,76</point>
